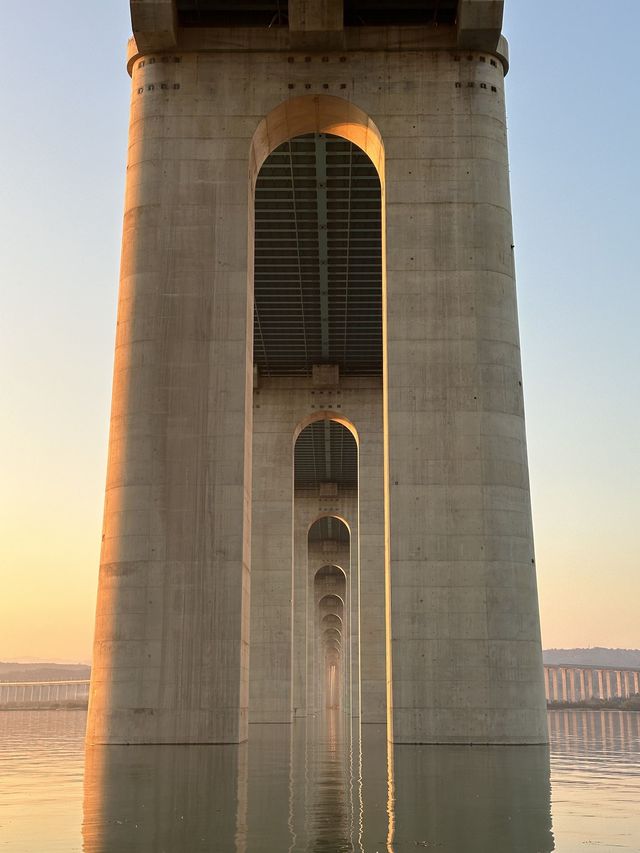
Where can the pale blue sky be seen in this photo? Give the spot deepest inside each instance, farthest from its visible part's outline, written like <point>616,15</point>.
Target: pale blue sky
<point>574,135</point>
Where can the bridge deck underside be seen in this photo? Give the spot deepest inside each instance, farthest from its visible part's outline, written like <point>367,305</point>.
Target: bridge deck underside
<point>269,13</point>
<point>318,259</point>
<point>326,452</point>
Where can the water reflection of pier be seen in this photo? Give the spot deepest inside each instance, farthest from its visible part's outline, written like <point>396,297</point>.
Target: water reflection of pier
<point>581,683</point>
<point>317,786</point>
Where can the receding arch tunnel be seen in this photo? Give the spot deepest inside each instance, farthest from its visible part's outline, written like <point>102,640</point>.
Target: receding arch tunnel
<point>271,189</point>
<point>333,637</point>
<point>317,339</point>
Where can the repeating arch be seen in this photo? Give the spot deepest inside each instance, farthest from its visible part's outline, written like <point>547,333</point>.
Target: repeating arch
<point>316,114</point>
<point>328,415</point>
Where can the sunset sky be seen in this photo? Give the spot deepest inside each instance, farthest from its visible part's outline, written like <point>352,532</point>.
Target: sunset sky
<point>574,134</point>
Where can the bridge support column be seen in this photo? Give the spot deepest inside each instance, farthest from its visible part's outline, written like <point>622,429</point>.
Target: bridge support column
<point>372,581</point>
<point>271,561</point>
<point>464,608</point>
<point>171,640</point>
<point>302,612</point>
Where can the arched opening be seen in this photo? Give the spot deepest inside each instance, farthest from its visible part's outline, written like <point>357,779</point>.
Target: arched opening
<point>317,263</point>
<point>317,190</point>
<point>336,628</point>
<point>332,640</point>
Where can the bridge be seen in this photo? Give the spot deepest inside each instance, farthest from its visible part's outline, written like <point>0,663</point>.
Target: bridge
<point>19,693</point>
<point>581,683</point>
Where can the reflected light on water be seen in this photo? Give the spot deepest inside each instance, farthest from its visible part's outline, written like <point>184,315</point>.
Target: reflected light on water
<point>319,785</point>
<point>595,775</point>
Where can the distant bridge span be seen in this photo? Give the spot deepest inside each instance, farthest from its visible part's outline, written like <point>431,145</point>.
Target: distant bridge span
<point>565,683</point>
<point>42,692</point>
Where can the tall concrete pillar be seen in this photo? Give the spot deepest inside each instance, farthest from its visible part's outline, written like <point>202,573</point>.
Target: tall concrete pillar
<point>465,637</point>
<point>371,561</point>
<point>171,641</point>
<point>301,610</point>
<point>271,568</point>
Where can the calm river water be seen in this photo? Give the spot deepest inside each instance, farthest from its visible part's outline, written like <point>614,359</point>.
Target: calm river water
<point>319,787</point>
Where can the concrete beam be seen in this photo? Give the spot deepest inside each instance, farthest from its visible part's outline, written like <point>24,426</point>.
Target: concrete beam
<point>328,490</point>
<point>480,24</point>
<point>154,24</point>
<point>316,16</point>
<point>326,376</point>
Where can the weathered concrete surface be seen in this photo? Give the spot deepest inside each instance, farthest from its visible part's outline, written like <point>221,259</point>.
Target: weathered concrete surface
<point>271,567</point>
<point>464,613</point>
<point>154,24</point>
<point>479,23</point>
<point>171,643</point>
<point>171,653</point>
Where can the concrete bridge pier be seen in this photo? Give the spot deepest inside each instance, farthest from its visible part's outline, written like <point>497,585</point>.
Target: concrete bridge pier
<point>317,234</point>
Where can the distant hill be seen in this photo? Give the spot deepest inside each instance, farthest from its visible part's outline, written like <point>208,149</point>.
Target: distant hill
<point>44,671</point>
<point>594,657</point>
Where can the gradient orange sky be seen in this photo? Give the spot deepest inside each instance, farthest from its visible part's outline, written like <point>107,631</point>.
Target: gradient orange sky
<point>575,187</point>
